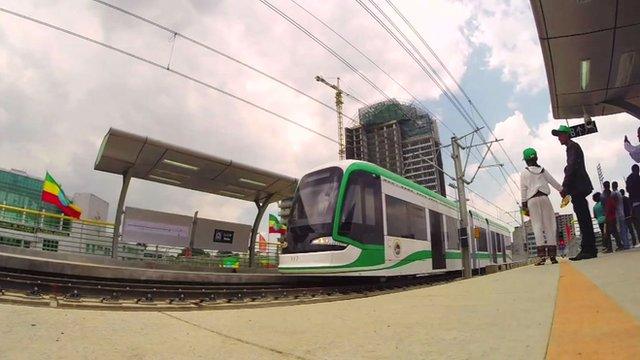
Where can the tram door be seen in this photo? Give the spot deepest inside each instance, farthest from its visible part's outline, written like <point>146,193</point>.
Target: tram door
<point>494,247</point>
<point>437,240</point>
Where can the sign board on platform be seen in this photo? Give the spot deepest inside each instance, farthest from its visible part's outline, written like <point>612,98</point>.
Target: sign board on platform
<point>583,129</point>
<point>159,228</point>
<point>223,236</point>
<point>155,227</point>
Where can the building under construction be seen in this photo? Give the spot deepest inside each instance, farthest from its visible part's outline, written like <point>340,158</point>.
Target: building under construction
<point>399,137</point>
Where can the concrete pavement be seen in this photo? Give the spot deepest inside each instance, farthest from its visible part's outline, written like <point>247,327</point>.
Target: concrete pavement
<point>508,315</point>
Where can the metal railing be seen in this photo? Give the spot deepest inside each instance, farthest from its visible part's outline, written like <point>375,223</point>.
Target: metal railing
<point>43,231</point>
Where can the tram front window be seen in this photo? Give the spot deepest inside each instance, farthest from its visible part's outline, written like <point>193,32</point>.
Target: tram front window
<point>312,212</point>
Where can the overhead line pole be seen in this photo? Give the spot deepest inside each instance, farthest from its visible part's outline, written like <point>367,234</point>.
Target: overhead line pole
<point>461,182</point>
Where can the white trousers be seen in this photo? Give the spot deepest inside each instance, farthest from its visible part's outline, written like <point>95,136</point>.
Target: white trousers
<point>543,220</point>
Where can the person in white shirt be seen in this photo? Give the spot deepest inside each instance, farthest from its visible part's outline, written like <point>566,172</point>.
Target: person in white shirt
<point>633,150</point>
<point>534,188</point>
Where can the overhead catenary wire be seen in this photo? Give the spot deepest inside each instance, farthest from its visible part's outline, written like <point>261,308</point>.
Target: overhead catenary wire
<point>370,60</point>
<point>163,67</point>
<point>463,92</point>
<point>220,53</point>
<point>446,69</point>
<point>331,51</point>
<point>434,77</point>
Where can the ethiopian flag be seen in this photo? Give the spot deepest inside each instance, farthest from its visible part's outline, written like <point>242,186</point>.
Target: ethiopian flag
<point>275,227</point>
<point>52,193</point>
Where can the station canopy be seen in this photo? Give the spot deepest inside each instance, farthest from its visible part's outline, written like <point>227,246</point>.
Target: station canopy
<point>591,53</point>
<point>156,161</point>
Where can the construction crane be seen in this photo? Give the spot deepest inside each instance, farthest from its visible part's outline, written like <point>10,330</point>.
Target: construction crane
<point>339,103</point>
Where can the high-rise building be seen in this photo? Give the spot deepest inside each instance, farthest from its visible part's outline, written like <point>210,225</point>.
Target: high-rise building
<point>401,138</point>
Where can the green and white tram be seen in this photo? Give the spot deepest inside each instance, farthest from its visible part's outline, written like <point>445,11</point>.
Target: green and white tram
<point>355,218</point>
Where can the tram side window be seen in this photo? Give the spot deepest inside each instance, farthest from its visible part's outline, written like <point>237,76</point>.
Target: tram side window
<point>482,242</point>
<point>362,212</point>
<point>405,220</point>
<point>499,242</point>
<point>453,242</point>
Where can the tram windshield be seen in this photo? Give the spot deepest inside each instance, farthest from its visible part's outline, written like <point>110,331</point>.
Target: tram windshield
<point>313,208</point>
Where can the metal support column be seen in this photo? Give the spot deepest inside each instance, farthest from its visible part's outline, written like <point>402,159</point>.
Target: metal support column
<point>192,231</point>
<point>462,206</point>
<point>262,207</point>
<point>126,179</point>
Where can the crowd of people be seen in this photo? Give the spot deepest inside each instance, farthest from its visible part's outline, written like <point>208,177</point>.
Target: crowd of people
<point>617,214</point>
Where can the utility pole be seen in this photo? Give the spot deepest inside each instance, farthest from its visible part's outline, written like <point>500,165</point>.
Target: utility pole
<point>461,181</point>
<point>462,206</point>
<point>339,105</point>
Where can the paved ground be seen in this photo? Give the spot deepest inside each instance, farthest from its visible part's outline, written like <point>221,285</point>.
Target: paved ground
<point>509,315</point>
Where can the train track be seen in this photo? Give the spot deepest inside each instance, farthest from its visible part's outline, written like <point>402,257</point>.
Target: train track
<point>68,292</point>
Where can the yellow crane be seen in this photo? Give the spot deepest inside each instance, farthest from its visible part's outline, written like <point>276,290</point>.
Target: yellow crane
<point>339,103</point>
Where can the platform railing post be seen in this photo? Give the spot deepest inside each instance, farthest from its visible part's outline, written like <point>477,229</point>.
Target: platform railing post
<point>262,207</point>
<point>126,179</point>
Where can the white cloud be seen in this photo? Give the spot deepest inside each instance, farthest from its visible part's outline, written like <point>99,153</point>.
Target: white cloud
<point>604,147</point>
<point>61,94</point>
<point>507,28</point>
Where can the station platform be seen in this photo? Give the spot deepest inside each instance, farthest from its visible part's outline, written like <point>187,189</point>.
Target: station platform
<point>588,310</point>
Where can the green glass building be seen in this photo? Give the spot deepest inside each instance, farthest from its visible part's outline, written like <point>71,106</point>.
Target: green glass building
<point>19,189</point>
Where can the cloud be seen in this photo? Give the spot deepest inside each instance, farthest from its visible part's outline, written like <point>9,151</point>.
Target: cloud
<point>507,29</point>
<point>605,148</point>
<point>60,94</point>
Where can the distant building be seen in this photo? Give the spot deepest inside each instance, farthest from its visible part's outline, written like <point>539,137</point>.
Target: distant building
<point>401,138</point>
<point>93,207</point>
<point>566,229</point>
<point>19,189</point>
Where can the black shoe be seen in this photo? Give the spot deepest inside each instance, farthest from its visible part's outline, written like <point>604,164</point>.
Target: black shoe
<point>607,251</point>
<point>583,256</point>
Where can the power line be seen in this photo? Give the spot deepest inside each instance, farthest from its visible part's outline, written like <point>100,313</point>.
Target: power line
<point>220,53</point>
<point>158,65</point>
<point>386,73</point>
<point>446,69</point>
<point>357,49</point>
<point>435,55</point>
<point>443,87</point>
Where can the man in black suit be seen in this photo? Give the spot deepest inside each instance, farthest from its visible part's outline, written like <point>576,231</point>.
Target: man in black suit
<point>577,184</point>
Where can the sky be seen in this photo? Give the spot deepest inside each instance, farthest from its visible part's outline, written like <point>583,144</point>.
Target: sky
<point>59,95</point>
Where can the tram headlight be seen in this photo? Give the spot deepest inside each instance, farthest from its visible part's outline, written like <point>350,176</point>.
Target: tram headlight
<point>325,241</point>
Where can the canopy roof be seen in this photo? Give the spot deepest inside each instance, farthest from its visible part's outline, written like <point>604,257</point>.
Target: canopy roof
<point>164,163</point>
<point>591,54</point>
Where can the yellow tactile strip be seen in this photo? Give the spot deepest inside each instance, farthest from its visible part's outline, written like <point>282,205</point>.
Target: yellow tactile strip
<point>588,324</point>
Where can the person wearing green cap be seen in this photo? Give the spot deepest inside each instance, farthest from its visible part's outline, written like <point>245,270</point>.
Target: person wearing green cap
<point>577,184</point>
<point>534,188</point>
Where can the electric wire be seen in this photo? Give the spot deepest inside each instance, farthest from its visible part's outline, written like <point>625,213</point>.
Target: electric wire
<point>160,66</point>
<point>368,58</point>
<point>221,53</point>
<point>444,88</point>
<point>446,69</point>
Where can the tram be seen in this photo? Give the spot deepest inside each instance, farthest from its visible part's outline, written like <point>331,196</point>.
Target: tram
<point>354,218</point>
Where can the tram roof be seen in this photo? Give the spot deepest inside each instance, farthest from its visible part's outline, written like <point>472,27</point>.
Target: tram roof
<point>591,54</point>
<point>157,161</point>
